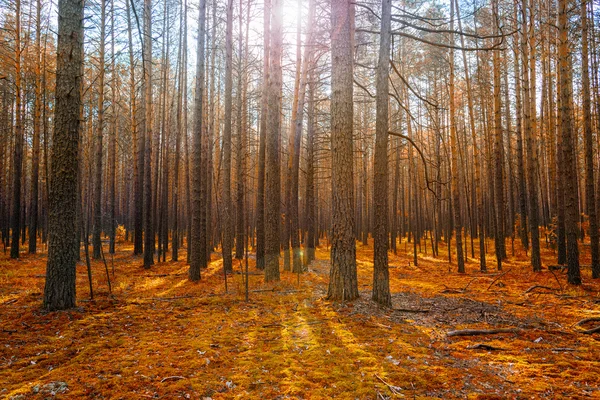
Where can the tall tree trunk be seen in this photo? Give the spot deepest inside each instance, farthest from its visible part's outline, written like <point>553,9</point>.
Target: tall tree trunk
<point>311,218</point>
<point>343,283</point>
<point>589,144</point>
<point>227,202</point>
<point>19,139</point>
<point>260,189</point>
<point>240,209</point>
<point>381,275</point>
<point>272,156</point>
<point>35,150</point>
<point>139,142</point>
<point>59,291</point>
<point>147,132</point>
<point>568,140</point>
<point>112,141</point>
<point>96,240</point>
<point>478,206</point>
<point>530,140</point>
<point>498,150</point>
<point>198,250</point>
<point>178,133</point>
<point>454,152</point>
<point>297,123</point>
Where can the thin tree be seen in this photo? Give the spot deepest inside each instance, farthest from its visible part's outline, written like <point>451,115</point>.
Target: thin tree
<point>147,132</point>
<point>198,250</point>
<point>35,151</point>
<point>568,140</point>
<point>272,156</point>
<point>590,194</point>
<point>381,278</point>
<point>260,189</point>
<point>227,241</point>
<point>96,240</point>
<point>19,139</point>
<point>456,198</point>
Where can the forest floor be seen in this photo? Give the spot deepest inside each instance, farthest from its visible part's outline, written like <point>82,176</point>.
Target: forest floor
<point>160,336</point>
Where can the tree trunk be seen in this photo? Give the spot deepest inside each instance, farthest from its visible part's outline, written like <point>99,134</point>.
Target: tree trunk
<point>198,239</point>
<point>589,144</point>
<point>381,275</point>
<point>260,190</point>
<point>227,203</point>
<point>530,140</point>
<point>272,156</point>
<point>454,152</point>
<point>343,283</point>
<point>18,151</point>
<point>59,292</point>
<point>97,230</point>
<point>568,139</point>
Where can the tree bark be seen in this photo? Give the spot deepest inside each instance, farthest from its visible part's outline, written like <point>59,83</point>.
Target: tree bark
<point>272,159</point>
<point>198,239</point>
<point>381,275</point>
<point>343,283</point>
<point>59,291</point>
<point>568,138</point>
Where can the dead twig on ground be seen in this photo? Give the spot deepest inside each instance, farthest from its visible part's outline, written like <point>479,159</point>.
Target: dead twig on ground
<point>393,389</point>
<point>412,310</point>
<point>172,378</point>
<point>534,287</point>
<point>474,332</point>
<point>458,291</point>
<point>587,320</point>
<point>498,277</point>
<point>483,346</point>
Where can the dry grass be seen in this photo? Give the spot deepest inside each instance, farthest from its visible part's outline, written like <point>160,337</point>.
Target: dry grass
<point>161,336</point>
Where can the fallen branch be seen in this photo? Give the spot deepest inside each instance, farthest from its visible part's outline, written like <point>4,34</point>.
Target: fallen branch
<point>393,389</point>
<point>558,281</point>
<point>172,378</point>
<point>586,320</point>
<point>560,349</point>
<point>593,330</point>
<point>463,290</point>
<point>412,310</point>
<point>173,298</point>
<point>531,289</point>
<point>498,277</point>
<point>483,346</point>
<point>473,332</point>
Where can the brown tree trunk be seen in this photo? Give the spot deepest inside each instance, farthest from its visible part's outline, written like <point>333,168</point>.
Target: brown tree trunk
<point>227,202</point>
<point>272,156</point>
<point>19,139</point>
<point>498,151</point>
<point>343,283</point>
<point>568,139</point>
<point>530,140</point>
<point>59,291</point>
<point>589,144</point>
<point>97,229</point>
<point>381,275</point>
<point>454,152</point>
<point>147,133</point>
<point>35,150</point>
<point>198,238</point>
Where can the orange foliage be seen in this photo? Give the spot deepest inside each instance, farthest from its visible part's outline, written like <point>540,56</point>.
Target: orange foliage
<point>161,336</point>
